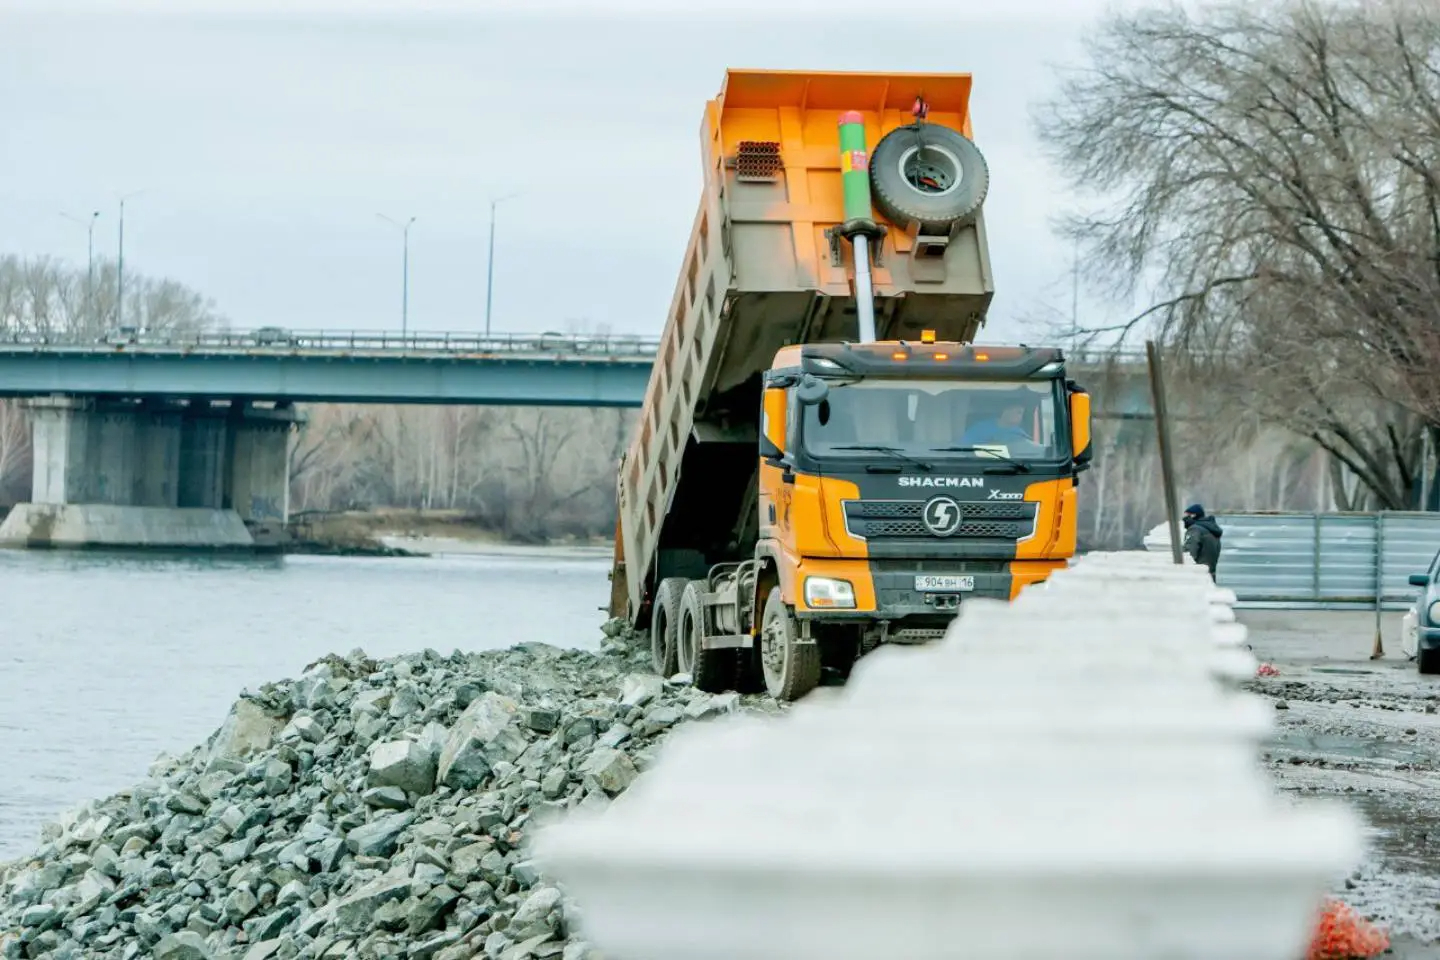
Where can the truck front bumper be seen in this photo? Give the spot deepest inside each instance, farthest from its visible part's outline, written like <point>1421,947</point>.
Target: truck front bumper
<point>892,590</point>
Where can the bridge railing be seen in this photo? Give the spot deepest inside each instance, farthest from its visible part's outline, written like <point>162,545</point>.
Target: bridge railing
<point>269,339</point>
<point>341,341</point>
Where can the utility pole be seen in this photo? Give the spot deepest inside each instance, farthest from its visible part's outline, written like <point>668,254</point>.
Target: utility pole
<point>89,226</point>
<point>1167,462</point>
<point>404,272</point>
<point>490,269</point>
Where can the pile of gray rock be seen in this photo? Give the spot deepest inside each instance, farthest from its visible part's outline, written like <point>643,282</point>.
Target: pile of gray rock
<point>371,809</point>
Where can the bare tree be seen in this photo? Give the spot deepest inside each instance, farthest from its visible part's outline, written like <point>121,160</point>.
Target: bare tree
<point>1270,171</point>
<point>47,297</point>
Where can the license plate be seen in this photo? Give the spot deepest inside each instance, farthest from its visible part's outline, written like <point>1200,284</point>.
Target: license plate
<point>944,584</point>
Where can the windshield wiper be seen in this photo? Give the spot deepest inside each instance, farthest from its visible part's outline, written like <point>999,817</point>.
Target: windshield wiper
<point>1019,465</point>
<point>892,451</point>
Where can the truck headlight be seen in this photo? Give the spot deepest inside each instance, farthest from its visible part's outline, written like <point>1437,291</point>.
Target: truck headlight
<point>1432,614</point>
<point>824,592</point>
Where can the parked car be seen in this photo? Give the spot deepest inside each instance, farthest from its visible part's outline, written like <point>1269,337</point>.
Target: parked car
<point>1426,618</point>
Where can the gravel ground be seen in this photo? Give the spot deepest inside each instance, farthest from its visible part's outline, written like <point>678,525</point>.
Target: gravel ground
<point>1366,732</point>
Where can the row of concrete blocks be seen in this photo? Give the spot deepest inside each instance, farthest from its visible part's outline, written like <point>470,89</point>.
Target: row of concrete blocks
<point>1073,774</point>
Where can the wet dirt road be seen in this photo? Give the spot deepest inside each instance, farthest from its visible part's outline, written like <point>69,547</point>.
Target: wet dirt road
<point>1366,732</point>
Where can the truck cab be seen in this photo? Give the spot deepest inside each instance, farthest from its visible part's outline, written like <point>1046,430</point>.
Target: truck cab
<point>899,479</point>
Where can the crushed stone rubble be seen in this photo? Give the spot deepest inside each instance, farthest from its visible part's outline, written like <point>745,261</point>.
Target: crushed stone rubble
<point>368,808</point>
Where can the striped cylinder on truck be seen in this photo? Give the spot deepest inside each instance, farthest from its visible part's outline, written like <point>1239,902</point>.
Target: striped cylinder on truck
<point>854,166</point>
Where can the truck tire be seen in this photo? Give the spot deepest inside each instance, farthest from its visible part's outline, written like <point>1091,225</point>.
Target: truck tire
<point>664,621</point>
<point>792,669</point>
<point>713,671</point>
<point>1427,661</point>
<point>928,175</point>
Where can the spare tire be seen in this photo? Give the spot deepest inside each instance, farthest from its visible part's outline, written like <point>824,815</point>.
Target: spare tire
<point>928,175</point>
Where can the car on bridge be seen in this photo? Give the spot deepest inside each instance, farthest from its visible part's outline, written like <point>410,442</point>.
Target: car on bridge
<point>273,336</point>
<point>122,334</point>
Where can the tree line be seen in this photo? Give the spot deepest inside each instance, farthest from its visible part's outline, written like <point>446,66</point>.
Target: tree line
<point>527,474</point>
<point>1267,177</point>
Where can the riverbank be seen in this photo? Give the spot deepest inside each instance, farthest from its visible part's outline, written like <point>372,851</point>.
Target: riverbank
<point>365,808</point>
<point>365,805</point>
<point>355,533</point>
<point>404,533</point>
<point>158,644</point>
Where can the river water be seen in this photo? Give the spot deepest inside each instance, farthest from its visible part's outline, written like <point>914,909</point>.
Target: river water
<point>107,660</point>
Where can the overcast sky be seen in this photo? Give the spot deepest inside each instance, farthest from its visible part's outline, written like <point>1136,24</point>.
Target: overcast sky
<point>266,142</point>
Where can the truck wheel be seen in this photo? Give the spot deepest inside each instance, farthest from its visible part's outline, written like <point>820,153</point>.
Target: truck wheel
<point>713,671</point>
<point>791,669</point>
<point>664,621</point>
<point>928,175</point>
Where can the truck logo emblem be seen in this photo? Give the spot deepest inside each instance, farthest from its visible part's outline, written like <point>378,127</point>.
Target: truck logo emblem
<point>941,516</point>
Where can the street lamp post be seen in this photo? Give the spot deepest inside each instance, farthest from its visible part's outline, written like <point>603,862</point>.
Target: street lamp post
<point>404,273</point>
<point>120,265</point>
<point>490,269</point>
<point>89,226</point>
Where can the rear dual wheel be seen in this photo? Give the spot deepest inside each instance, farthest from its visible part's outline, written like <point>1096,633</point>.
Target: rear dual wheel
<point>714,670</point>
<point>664,624</point>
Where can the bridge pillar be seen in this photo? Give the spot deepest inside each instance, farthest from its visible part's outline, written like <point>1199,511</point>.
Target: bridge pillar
<point>120,453</point>
<point>130,473</point>
<point>257,482</point>
<point>203,435</point>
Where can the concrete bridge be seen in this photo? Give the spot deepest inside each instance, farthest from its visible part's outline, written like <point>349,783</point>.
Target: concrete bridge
<point>440,368</point>
<point>183,440</point>
<point>504,369</point>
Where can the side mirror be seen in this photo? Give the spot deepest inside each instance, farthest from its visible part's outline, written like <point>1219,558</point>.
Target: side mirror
<point>1080,426</point>
<point>772,424</point>
<point>811,390</point>
<point>1419,580</point>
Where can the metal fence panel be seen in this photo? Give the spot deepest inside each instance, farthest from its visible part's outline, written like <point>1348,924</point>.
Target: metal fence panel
<point>1325,560</point>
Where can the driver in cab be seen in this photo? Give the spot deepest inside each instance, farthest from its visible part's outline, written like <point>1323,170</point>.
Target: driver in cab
<point>1002,427</point>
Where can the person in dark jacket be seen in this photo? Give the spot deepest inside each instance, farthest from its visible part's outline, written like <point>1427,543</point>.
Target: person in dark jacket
<point>1202,537</point>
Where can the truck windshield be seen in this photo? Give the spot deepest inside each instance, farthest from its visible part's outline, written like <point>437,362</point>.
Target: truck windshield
<point>935,419</point>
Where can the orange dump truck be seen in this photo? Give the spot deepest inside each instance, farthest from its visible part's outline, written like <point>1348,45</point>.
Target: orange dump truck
<point>824,460</point>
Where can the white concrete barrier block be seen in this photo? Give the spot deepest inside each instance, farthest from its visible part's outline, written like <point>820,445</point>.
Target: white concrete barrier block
<point>1064,776</point>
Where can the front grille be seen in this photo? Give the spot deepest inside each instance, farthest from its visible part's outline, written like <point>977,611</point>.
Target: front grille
<point>911,509</point>
<point>901,519</point>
